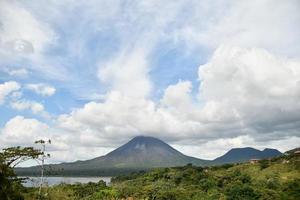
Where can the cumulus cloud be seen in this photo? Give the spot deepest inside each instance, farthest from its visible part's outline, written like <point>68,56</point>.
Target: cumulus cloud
<point>35,107</point>
<point>178,96</point>
<point>13,90</point>
<point>7,88</point>
<point>248,90</point>
<point>23,131</point>
<point>247,96</point>
<point>41,89</point>
<point>253,87</point>
<point>215,148</point>
<point>242,92</point>
<point>128,73</point>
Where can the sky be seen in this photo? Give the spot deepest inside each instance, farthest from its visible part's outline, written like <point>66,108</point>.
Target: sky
<point>204,76</point>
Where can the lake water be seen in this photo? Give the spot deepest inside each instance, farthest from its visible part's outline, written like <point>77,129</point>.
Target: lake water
<point>50,181</point>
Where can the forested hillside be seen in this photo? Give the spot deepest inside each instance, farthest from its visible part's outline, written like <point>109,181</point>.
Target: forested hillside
<point>276,178</point>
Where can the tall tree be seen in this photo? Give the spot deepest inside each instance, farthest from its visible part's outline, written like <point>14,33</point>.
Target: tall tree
<point>9,158</point>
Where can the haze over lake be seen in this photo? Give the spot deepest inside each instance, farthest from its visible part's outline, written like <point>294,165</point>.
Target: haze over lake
<point>50,181</point>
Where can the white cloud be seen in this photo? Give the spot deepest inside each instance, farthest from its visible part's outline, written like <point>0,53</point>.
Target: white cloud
<point>35,107</point>
<point>141,30</point>
<point>178,96</point>
<point>252,87</point>
<point>20,31</point>
<point>215,148</point>
<point>242,92</point>
<point>24,38</point>
<point>15,72</point>
<point>22,131</point>
<point>7,88</point>
<point>247,96</point>
<point>41,89</point>
<point>16,95</point>
<point>22,72</point>
<point>268,24</point>
<point>128,74</point>
<point>249,90</point>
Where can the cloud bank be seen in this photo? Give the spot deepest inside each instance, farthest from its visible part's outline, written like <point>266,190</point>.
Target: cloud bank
<point>242,91</point>
<point>102,65</point>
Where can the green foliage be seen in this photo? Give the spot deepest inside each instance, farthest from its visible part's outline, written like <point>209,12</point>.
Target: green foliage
<point>83,190</point>
<point>88,191</point>
<point>10,186</point>
<point>264,164</point>
<point>238,191</point>
<point>58,192</point>
<point>280,180</point>
<point>234,182</point>
<point>105,194</point>
<point>13,156</point>
<point>292,190</point>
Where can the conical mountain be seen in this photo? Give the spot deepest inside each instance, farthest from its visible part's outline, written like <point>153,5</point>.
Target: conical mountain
<point>139,153</point>
<point>144,152</point>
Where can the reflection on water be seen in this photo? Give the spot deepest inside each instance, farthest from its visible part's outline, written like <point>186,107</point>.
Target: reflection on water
<point>35,181</point>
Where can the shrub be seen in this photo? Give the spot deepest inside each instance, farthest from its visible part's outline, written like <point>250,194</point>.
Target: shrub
<point>241,192</point>
<point>264,164</point>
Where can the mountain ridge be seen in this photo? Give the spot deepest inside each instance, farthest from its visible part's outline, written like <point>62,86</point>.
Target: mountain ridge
<point>141,152</point>
<point>244,154</point>
<point>144,152</point>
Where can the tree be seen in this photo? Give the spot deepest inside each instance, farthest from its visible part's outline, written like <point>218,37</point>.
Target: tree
<point>291,190</point>
<point>9,158</point>
<point>264,164</point>
<point>13,156</point>
<point>238,191</point>
<point>42,158</point>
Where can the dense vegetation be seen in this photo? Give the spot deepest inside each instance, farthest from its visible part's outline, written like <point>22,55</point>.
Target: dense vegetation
<point>89,191</point>
<point>278,178</point>
<point>10,185</point>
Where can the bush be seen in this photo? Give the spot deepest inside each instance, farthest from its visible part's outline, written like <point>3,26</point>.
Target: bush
<point>207,184</point>
<point>241,192</point>
<point>264,164</point>
<point>291,190</point>
<point>83,190</point>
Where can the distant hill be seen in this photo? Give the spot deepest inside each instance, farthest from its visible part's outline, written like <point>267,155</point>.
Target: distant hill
<point>238,155</point>
<point>292,151</point>
<point>139,153</point>
<point>142,153</point>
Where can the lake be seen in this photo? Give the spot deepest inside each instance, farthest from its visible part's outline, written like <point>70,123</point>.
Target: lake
<point>50,181</point>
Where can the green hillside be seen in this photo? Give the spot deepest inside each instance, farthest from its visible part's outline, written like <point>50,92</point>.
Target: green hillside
<point>277,178</point>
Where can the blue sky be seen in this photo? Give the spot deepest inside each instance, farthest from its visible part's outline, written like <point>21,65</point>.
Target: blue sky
<point>82,44</point>
<point>194,73</point>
